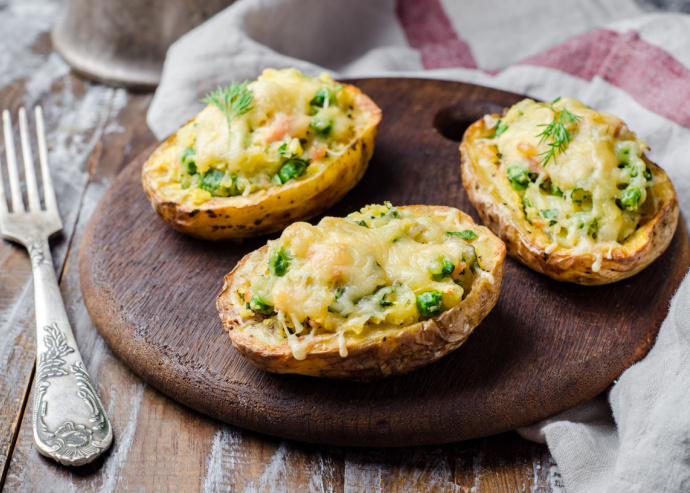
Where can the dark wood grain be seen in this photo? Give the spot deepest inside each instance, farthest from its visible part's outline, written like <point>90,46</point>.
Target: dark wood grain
<point>546,346</point>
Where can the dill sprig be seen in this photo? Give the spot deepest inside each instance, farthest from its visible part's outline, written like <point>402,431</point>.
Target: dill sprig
<point>558,133</point>
<point>233,100</point>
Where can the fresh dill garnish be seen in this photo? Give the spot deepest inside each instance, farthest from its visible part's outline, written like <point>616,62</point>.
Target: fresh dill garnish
<point>233,100</point>
<point>557,132</point>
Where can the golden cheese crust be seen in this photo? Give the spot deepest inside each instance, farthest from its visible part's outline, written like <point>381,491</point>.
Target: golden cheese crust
<point>373,354</point>
<point>650,240</point>
<point>270,210</point>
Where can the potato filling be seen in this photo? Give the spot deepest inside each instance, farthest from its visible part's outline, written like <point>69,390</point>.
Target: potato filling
<point>379,267</point>
<point>579,173</point>
<point>285,126</point>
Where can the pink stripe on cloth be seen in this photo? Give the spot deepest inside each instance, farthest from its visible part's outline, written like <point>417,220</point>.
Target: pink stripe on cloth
<point>430,32</point>
<point>649,74</point>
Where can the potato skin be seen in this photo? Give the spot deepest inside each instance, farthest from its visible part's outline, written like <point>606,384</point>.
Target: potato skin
<point>267,211</point>
<point>377,354</point>
<point>648,242</point>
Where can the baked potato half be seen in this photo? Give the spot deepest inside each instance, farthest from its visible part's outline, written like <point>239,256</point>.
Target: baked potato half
<point>569,190</point>
<point>261,155</point>
<point>380,292</point>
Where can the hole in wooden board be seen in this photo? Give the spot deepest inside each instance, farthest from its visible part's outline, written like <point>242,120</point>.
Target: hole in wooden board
<point>452,122</point>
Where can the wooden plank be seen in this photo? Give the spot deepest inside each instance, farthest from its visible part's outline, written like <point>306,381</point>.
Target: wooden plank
<point>504,463</point>
<point>75,113</point>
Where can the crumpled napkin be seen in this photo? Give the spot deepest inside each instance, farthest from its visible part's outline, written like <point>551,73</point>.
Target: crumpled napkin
<point>637,66</point>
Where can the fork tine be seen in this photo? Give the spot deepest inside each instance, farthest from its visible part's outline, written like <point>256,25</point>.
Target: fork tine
<point>15,190</point>
<point>48,190</point>
<point>29,168</point>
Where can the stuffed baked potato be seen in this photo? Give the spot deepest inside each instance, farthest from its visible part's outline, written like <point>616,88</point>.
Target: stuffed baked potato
<point>569,190</point>
<point>260,155</point>
<point>380,292</point>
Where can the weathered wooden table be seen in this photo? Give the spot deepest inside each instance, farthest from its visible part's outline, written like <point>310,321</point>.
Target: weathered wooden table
<point>160,445</point>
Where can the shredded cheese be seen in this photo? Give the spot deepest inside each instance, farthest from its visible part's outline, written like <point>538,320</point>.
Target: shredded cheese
<point>377,268</point>
<point>591,195</point>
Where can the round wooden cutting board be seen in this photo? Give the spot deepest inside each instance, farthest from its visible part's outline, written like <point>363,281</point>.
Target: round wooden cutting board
<point>545,347</point>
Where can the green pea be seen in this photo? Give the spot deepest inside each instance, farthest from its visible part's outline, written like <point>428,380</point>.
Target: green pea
<point>279,261</point>
<point>631,200</point>
<point>260,306</point>
<point>322,126</point>
<point>321,96</point>
<point>440,267</point>
<point>429,303</point>
<point>294,168</point>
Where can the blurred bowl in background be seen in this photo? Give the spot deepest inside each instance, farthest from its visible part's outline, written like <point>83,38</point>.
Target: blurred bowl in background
<point>123,42</point>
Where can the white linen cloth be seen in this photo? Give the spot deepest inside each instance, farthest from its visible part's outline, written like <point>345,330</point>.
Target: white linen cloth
<point>615,56</point>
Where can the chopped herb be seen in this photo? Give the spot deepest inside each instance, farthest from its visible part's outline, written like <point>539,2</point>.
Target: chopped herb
<point>647,173</point>
<point>363,223</point>
<point>233,100</point>
<point>472,260</point>
<point>429,303</point>
<point>500,128</point>
<point>557,132</point>
<point>279,261</point>
<point>519,177</point>
<point>210,181</point>
<point>338,293</point>
<point>579,195</point>
<point>188,163</point>
<point>260,306</point>
<point>285,152</point>
<point>276,179</point>
<point>384,302</point>
<point>240,295</point>
<point>549,213</point>
<point>467,235</point>
<point>593,228</point>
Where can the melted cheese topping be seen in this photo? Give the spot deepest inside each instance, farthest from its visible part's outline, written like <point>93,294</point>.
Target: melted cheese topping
<point>592,193</point>
<point>375,268</point>
<point>250,152</point>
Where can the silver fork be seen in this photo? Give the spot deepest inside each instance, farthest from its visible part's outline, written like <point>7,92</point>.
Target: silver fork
<point>69,421</point>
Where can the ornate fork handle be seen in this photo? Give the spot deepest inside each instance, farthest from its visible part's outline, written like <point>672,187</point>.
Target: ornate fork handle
<point>69,421</point>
